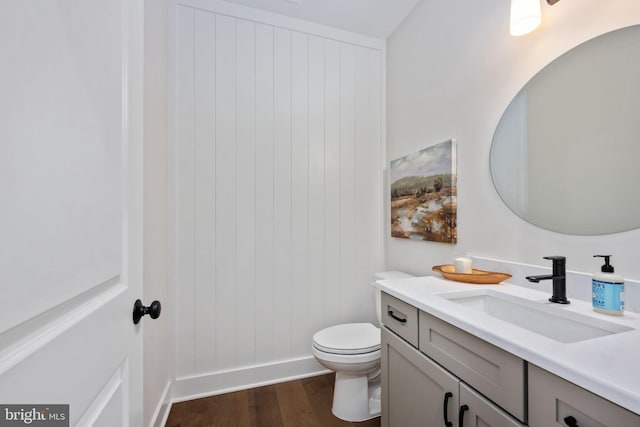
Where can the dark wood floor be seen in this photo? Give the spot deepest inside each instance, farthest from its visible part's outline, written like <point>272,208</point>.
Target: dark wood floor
<point>300,403</point>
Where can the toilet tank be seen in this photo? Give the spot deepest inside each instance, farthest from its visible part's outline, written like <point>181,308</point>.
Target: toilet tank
<point>385,275</point>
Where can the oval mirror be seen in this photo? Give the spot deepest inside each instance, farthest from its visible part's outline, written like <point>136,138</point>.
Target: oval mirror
<point>566,153</point>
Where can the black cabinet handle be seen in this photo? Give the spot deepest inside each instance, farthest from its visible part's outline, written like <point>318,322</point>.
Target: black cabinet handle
<point>399,319</point>
<point>461,415</point>
<point>570,421</point>
<point>447,395</point>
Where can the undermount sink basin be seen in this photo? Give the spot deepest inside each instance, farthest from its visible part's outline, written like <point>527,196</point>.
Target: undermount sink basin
<point>540,317</point>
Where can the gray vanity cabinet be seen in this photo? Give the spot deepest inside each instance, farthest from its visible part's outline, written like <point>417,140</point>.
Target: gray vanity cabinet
<point>416,390</point>
<point>414,387</point>
<point>425,359</point>
<point>552,400</point>
<point>497,374</point>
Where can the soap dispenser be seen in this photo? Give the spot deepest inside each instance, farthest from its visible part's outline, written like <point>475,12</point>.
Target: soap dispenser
<point>608,290</point>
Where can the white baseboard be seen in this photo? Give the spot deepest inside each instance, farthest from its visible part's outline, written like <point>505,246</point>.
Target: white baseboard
<point>161,414</point>
<point>188,388</point>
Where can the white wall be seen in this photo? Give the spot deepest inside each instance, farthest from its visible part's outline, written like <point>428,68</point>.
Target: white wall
<point>278,192</point>
<point>452,70</point>
<point>157,333</point>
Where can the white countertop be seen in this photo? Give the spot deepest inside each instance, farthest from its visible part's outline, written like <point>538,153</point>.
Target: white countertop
<point>607,366</point>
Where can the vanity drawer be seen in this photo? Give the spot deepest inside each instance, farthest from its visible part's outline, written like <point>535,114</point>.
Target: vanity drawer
<point>495,373</point>
<point>552,399</point>
<point>401,318</point>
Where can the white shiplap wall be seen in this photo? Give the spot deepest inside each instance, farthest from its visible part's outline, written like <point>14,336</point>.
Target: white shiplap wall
<point>278,188</point>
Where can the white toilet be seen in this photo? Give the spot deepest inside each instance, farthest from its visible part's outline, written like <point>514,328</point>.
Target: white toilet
<point>352,350</point>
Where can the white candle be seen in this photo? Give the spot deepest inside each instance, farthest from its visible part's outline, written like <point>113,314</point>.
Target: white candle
<point>463,265</point>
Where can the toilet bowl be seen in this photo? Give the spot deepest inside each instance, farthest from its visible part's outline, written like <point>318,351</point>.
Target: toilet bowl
<point>352,351</point>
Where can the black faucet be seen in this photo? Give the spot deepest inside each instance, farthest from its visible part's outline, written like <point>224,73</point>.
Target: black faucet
<point>559,280</point>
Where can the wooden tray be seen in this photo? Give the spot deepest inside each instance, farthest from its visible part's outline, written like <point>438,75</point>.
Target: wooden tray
<point>478,277</point>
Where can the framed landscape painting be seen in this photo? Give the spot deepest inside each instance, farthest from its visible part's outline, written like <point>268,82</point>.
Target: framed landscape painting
<point>424,196</point>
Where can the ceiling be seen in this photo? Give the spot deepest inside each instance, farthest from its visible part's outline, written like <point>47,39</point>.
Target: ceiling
<point>374,18</point>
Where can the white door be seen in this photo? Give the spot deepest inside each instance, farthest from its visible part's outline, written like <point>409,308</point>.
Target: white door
<point>70,211</point>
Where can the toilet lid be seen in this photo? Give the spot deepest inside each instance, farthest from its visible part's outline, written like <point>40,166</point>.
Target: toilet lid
<point>350,338</point>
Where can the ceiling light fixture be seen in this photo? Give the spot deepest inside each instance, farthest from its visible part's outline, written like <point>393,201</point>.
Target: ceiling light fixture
<point>526,16</point>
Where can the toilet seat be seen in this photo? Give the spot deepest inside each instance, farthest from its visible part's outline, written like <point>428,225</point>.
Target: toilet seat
<point>349,338</point>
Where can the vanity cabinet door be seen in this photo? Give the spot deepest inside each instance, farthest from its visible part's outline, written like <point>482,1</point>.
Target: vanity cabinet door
<point>414,388</point>
<point>494,372</point>
<point>552,401</point>
<point>476,411</point>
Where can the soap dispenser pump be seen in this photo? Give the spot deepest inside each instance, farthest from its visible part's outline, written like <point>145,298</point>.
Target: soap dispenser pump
<point>607,289</point>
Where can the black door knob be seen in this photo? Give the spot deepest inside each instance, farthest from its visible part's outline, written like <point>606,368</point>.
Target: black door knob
<point>571,421</point>
<point>140,310</point>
